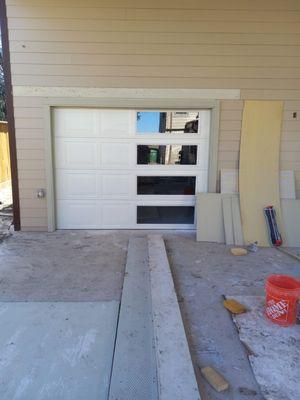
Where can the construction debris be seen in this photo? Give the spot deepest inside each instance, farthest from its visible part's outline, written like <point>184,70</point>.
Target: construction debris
<point>238,251</point>
<point>215,379</point>
<point>234,306</point>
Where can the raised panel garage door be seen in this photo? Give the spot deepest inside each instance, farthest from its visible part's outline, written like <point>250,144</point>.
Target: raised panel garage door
<point>129,169</point>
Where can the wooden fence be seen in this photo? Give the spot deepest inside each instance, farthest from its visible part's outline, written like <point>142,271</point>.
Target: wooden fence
<point>4,154</point>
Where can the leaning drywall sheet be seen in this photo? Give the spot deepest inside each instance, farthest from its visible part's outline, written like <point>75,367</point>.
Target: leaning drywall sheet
<point>259,167</point>
<point>236,221</point>
<point>210,225</point>
<point>228,219</point>
<point>275,352</point>
<point>291,220</point>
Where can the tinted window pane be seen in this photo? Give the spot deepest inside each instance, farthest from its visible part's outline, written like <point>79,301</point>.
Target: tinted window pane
<point>167,154</point>
<point>167,122</point>
<point>165,215</point>
<point>175,185</point>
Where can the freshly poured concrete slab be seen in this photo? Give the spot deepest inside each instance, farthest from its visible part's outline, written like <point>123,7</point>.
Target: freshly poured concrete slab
<point>175,372</point>
<point>134,367</point>
<point>60,351</point>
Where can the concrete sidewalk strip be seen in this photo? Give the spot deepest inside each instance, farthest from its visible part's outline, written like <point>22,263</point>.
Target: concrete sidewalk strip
<point>60,351</point>
<point>175,372</point>
<point>134,366</point>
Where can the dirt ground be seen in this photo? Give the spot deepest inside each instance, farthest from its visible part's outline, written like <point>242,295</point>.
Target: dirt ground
<point>203,273</point>
<point>89,266</point>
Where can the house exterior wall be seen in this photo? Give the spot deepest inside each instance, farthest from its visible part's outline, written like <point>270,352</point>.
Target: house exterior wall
<point>250,45</point>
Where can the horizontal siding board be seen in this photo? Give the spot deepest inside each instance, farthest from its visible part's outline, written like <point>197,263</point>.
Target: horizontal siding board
<point>21,101</point>
<point>29,123</point>
<point>30,223</point>
<point>28,175</point>
<point>154,48</point>
<point>32,184</point>
<point>152,82</point>
<point>232,105</point>
<point>27,194</point>
<point>31,154</point>
<point>33,203</point>
<point>231,115</point>
<point>153,37</point>
<point>157,60</point>
<point>30,144</point>
<point>29,133</point>
<point>28,112</point>
<point>232,26</point>
<point>31,165</point>
<point>149,14</point>
<point>291,136</point>
<point>225,145</point>
<point>159,71</point>
<point>177,4</point>
<point>230,125</point>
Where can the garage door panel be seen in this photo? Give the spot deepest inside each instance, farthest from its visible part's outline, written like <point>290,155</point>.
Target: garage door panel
<point>78,214</point>
<point>117,185</point>
<point>75,122</point>
<point>77,154</point>
<point>116,155</point>
<point>117,123</point>
<point>118,215</point>
<point>77,185</point>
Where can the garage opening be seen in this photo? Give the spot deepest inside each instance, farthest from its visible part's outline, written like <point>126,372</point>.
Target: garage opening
<point>129,169</point>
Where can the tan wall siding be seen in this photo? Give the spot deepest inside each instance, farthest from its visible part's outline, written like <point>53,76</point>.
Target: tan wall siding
<point>251,45</point>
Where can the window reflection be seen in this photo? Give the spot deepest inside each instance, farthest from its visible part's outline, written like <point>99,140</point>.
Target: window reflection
<point>167,154</point>
<point>168,122</point>
<point>165,214</point>
<point>166,185</point>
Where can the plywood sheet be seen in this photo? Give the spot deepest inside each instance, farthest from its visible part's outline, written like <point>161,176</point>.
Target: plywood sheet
<point>210,225</point>
<point>291,221</point>
<point>259,167</point>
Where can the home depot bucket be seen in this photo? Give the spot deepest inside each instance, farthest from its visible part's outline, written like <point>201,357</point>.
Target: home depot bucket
<point>282,293</point>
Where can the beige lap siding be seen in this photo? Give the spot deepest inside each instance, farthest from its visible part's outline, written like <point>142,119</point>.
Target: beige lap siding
<point>251,45</point>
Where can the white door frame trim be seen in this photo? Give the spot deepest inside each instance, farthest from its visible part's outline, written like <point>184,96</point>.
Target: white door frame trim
<point>128,103</point>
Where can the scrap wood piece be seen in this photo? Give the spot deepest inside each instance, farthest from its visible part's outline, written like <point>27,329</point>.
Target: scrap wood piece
<point>215,379</point>
<point>234,306</point>
<point>238,251</point>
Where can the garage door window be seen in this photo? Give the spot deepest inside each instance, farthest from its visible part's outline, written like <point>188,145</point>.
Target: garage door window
<point>167,154</point>
<point>166,185</point>
<point>165,215</point>
<point>168,122</point>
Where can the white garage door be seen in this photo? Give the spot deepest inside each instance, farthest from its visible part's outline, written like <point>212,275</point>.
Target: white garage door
<point>129,169</point>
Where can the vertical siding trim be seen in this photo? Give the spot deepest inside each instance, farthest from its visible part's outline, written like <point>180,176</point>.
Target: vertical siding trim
<point>10,115</point>
<point>213,148</point>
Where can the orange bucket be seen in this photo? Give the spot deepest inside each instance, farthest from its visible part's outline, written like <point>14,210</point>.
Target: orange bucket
<point>282,293</point>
